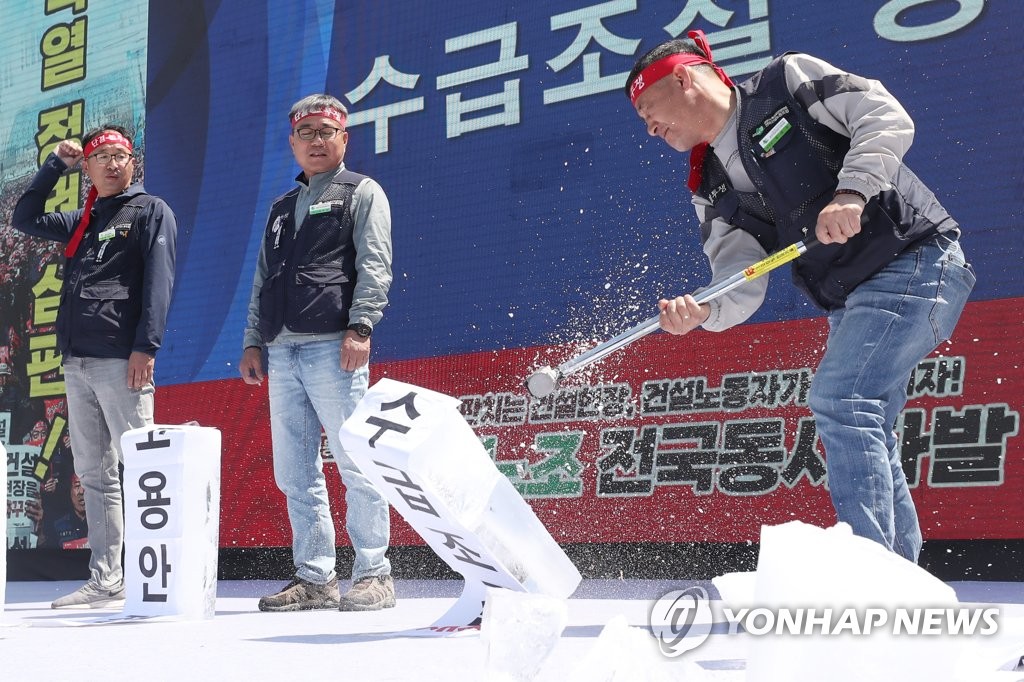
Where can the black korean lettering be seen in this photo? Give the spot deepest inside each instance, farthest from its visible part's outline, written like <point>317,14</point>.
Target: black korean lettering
<point>510,409</point>
<point>970,445</point>
<point>471,408</point>
<point>588,405</point>
<point>153,516</point>
<point>627,467</point>
<point>939,377</point>
<point>150,564</point>
<point>461,551</point>
<point>565,404</point>
<point>404,485</point>
<point>151,443</point>
<point>616,401</point>
<point>407,401</point>
<point>805,460</point>
<point>687,456</point>
<point>385,426</point>
<point>704,398</point>
<point>735,390</point>
<point>950,377</point>
<point>654,397</point>
<point>751,456</point>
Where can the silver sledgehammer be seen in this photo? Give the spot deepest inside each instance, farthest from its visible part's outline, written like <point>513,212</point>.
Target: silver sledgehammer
<point>545,380</point>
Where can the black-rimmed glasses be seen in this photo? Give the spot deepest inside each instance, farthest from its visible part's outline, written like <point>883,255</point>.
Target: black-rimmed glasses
<point>104,158</point>
<point>326,133</point>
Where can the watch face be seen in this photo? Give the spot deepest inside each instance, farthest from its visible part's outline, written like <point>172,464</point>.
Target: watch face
<point>363,330</point>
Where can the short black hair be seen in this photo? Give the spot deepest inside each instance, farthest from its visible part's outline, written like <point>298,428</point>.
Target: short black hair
<point>96,132</point>
<point>674,46</point>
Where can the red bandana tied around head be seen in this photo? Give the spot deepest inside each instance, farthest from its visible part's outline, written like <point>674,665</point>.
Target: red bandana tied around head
<point>108,137</point>
<point>655,71</point>
<point>663,67</point>
<point>329,113</point>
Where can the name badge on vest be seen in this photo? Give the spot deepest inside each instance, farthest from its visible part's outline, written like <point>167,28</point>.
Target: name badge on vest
<point>321,208</point>
<point>771,131</point>
<point>275,229</point>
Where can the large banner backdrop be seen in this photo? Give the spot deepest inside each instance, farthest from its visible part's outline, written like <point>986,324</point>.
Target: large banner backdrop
<point>65,67</point>
<point>533,216</point>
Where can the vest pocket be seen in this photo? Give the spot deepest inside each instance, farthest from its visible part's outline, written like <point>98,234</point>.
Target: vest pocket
<point>320,298</point>
<point>104,291</point>
<point>320,275</point>
<point>103,310</point>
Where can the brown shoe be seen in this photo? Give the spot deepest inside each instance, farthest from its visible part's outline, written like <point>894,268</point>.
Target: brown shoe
<point>372,593</point>
<point>302,595</point>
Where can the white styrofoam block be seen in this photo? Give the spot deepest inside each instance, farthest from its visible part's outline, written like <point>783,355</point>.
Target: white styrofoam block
<point>172,520</point>
<point>416,447</point>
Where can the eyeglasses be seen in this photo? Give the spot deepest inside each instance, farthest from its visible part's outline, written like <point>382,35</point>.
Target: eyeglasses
<point>327,133</point>
<point>103,158</point>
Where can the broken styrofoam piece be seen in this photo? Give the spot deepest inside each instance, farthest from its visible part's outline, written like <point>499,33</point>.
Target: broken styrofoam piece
<point>803,566</point>
<point>622,653</point>
<point>519,631</point>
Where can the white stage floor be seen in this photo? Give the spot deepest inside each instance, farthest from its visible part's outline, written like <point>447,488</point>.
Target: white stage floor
<point>241,643</point>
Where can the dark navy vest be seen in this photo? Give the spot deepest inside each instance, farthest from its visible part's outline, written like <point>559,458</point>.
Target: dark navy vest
<point>795,179</point>
<point>101,300</point>
<point>311,276</point>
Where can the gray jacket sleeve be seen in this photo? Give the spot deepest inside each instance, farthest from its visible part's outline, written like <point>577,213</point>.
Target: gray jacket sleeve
<point>372,235</point>
<point>252,336</point>
<point>880,129</point>
<point>729,250</point>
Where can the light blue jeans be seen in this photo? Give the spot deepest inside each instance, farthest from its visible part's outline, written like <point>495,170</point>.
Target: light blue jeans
<point>890,323</point>
<point>101,408</point>
<point>308,389</point>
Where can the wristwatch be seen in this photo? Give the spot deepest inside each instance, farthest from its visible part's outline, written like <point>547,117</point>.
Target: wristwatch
<point>363,330</point>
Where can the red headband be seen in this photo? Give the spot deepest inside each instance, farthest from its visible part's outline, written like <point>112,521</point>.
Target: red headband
<point>108,137</point>
<point>655,71</point>
<point>334,114</point>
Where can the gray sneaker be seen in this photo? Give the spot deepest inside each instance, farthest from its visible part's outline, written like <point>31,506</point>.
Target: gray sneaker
<point>92,596</point>
<point>302,595</point>
<point>372,593</point>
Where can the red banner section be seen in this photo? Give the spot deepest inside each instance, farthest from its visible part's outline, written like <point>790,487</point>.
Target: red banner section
<point>695,439</point>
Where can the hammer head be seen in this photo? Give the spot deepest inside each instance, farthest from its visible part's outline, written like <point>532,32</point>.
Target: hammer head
<point>543,382</point>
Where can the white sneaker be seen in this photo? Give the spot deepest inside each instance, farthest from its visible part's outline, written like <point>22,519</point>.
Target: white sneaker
<point>92,596</point>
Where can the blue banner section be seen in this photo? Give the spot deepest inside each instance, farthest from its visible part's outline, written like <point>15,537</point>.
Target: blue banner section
<point>529,205</point>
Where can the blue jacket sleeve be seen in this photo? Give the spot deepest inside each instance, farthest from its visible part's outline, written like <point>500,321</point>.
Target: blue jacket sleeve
<point>30,214</point>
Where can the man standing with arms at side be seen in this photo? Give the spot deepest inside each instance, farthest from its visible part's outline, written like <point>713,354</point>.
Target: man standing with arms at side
<point>117,287</point>
<point>804,149</point>
<point>320,287</point>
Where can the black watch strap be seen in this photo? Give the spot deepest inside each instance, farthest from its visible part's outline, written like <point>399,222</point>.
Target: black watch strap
<point>363,330</point>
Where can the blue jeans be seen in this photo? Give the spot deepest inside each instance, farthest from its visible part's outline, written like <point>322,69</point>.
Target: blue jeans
<point>101,408</point>
<point>308,389</point>
<point>890,323</point>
